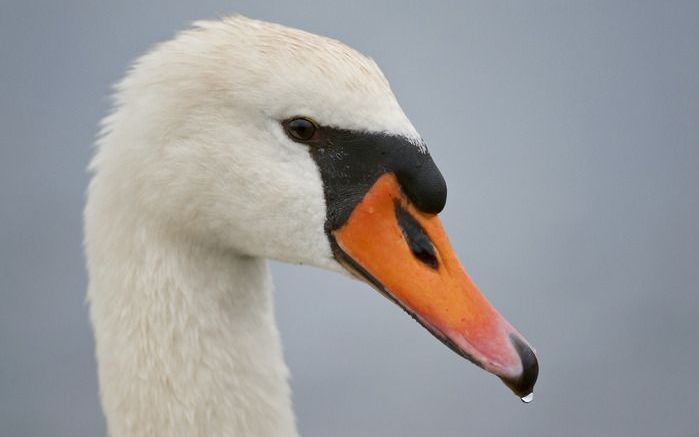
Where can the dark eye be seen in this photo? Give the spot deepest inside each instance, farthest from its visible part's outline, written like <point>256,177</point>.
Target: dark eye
<point>300,129</point>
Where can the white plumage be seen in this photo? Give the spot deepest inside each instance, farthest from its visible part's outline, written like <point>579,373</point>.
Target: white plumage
<point>194,185</point>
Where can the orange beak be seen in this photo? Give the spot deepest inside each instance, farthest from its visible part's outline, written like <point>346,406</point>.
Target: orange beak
<point>406,255</point>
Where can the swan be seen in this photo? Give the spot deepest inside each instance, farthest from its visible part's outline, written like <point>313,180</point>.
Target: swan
<point>236,142</point>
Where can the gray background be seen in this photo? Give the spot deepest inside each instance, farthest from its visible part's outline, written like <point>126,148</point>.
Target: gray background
<point>567,132</point>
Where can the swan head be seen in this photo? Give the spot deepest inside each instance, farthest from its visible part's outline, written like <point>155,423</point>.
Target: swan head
<point>272,142</point>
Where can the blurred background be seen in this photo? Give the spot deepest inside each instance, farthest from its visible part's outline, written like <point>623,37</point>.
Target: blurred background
<point>567,132</point>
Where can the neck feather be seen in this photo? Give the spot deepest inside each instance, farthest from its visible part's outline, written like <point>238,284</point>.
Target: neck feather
<point>185,336</point>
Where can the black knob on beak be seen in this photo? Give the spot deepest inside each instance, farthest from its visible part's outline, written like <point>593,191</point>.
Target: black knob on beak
<point>423,183</point>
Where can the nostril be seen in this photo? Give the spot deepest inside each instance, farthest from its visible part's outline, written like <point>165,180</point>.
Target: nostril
<point>524,384</point>
<point>416,237</point>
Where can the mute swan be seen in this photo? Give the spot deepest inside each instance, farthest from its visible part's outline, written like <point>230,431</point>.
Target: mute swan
<point>238,141</point>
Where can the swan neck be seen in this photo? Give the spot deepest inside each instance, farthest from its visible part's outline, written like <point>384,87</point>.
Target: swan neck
<point>186,339</point>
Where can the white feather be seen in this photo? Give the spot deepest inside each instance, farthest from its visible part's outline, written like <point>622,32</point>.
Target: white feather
<point>194,185</point>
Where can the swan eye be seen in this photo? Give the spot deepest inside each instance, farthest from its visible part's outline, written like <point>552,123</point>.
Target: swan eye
<point>300,129</point>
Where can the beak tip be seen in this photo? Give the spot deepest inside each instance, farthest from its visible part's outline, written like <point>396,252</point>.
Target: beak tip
<point>523,385</point>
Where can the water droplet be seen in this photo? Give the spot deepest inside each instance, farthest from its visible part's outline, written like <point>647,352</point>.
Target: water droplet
<point>528,398</point>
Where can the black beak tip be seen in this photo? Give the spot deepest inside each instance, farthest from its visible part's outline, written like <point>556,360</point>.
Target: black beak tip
<point>524,385</point>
